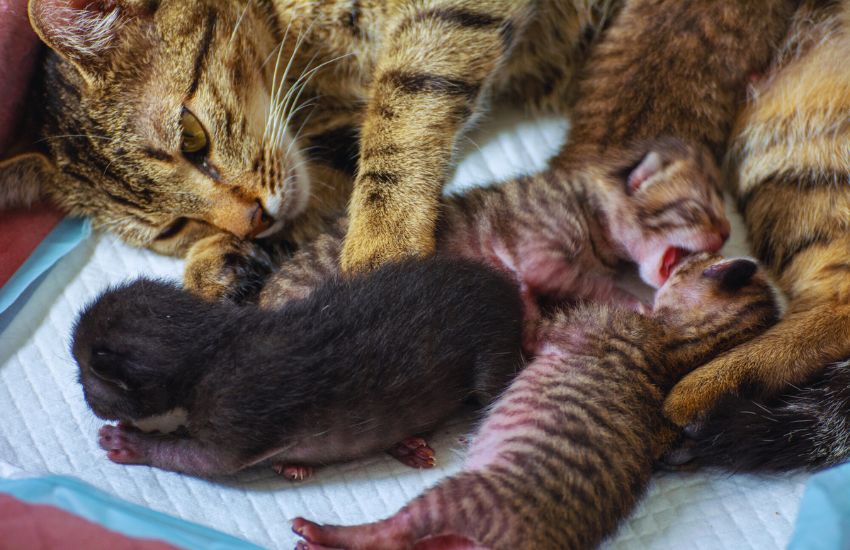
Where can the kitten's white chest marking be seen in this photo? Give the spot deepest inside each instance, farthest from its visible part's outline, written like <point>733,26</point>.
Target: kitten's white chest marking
<point>166,422</point>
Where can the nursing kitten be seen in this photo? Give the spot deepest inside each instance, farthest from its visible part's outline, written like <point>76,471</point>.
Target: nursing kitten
<point>797,209</point>
<point>170,121</point>
<point>338,375</point>
<point>562,235</point>
<point>567,451</point>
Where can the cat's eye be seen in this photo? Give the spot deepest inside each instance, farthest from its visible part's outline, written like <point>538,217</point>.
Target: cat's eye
<point>172,229</point>
<point>193,139</point>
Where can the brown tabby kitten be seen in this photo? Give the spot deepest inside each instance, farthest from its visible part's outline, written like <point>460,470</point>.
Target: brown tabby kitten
<point>187,125</point>
<point>790,170</point>
<point>567,451</point>
<point>563,236</point>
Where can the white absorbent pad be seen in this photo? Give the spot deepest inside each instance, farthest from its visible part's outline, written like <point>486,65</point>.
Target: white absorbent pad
<point>46,428</point>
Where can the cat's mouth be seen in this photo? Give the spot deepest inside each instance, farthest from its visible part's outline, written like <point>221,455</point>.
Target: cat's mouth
<point>669,260</point>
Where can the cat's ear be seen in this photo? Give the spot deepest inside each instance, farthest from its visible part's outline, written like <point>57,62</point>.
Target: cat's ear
<point>22,178</point>
<point>83,31</point>
<point>732,274</point>
<point>648,167</point>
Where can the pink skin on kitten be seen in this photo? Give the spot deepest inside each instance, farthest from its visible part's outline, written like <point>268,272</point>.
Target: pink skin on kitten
<point>127,445</point>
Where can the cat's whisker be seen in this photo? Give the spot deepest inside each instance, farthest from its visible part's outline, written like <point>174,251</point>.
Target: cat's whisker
<point>238,24</point>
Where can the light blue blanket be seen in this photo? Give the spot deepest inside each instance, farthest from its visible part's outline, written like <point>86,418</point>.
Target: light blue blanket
<point>824,519</point>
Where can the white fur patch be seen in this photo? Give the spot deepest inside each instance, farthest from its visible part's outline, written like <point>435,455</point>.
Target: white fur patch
<point>165,423</point>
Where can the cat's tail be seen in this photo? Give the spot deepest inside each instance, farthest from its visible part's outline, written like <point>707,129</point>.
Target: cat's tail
<point>807,428</point>
<point>466,511</point>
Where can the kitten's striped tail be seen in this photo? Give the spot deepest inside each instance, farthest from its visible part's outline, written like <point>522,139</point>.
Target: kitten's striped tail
<point>470,510</point>
<point>807,428</point>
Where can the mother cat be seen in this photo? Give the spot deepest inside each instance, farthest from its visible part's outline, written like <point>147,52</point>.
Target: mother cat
<point>184,126</point>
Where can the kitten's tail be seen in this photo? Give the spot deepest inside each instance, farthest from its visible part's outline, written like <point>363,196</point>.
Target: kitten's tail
<point>465,511</point>
<point>807,428</point>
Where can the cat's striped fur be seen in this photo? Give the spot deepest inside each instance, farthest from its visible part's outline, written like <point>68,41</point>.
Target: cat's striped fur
<point>284,90</point>
<point>567,451</point>
<point>122,70</point>
<point>562,235</point>
<point>797,209</point>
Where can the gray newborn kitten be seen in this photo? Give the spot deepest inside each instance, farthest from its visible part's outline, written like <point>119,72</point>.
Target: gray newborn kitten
<point>355,367</point>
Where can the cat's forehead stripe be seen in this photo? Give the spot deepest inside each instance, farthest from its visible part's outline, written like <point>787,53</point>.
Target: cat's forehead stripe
<point>203,52</point>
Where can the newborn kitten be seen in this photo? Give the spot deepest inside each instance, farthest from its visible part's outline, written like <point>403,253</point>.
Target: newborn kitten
<point>568,450</point>
<point>563,235</point>
<point>358,366</point>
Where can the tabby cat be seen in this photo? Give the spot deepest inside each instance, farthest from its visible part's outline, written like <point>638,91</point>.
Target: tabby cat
<point>185,126</point>
<point>797,209</point>
<point>567,451</point>
<point>171,121</point>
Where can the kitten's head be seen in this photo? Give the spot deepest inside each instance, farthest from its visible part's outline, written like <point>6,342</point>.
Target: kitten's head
<point>167,120</point>
<point>664,205</point>
<point>726,298</point>
<point>137,347</point>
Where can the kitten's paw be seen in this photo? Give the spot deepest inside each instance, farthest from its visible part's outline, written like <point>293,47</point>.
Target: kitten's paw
<point>122,445</point>
<point>414,452</point>
<point>292,472</point>
<point>223,266</point>
<point>365,250</point>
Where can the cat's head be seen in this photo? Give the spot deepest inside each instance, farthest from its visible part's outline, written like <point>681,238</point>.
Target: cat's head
<point>663,202</point>
<point>166,120</point>
<point>138,348</point>
<point>708,294</point>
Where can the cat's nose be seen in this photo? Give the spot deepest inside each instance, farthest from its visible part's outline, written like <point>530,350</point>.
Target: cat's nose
<point>245,220</point>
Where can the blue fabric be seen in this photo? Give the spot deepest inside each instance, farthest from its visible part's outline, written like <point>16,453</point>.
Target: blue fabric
<point>62,239</point>
<point>115,514</point>
<point>823,522</point>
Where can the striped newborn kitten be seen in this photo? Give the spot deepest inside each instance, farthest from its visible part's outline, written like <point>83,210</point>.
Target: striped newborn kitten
<point>567,451</point>
<point>563,235</point>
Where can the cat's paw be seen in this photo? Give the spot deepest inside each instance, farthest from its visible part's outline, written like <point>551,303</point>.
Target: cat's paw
<point>366,249</point>
<point>698,392</point>
<point>223,266</point>
<point>122,445</point>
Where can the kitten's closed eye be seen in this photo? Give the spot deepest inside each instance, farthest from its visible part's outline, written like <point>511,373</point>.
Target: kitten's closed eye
<point>105,364</point>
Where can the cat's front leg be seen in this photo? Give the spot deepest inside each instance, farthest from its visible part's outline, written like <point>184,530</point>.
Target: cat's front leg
<point>786,354</point>
<point>419,105</point>
<point>177,454</point>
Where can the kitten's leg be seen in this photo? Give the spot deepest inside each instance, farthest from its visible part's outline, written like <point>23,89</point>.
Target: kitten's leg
<point>419,105</point>
<point>177,454</point>
<point>787,354</point>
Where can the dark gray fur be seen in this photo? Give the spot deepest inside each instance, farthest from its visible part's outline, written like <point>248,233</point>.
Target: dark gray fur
<point>355,367</point>
<point>803,429</point>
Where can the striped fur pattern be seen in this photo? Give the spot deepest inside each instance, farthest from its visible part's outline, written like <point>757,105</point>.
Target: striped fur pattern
<point>568,450</point>
<point>289,95</point>
<point>797,209</point>
<point>562,235</point>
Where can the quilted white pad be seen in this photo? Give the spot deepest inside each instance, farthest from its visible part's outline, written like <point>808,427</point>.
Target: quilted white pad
<point>45,426</point>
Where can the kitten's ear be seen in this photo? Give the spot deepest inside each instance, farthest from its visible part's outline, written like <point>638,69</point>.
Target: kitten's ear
<point>83,31</point>
<point>22,178</point>
<point>732,274</point>
<point>648,167</point>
